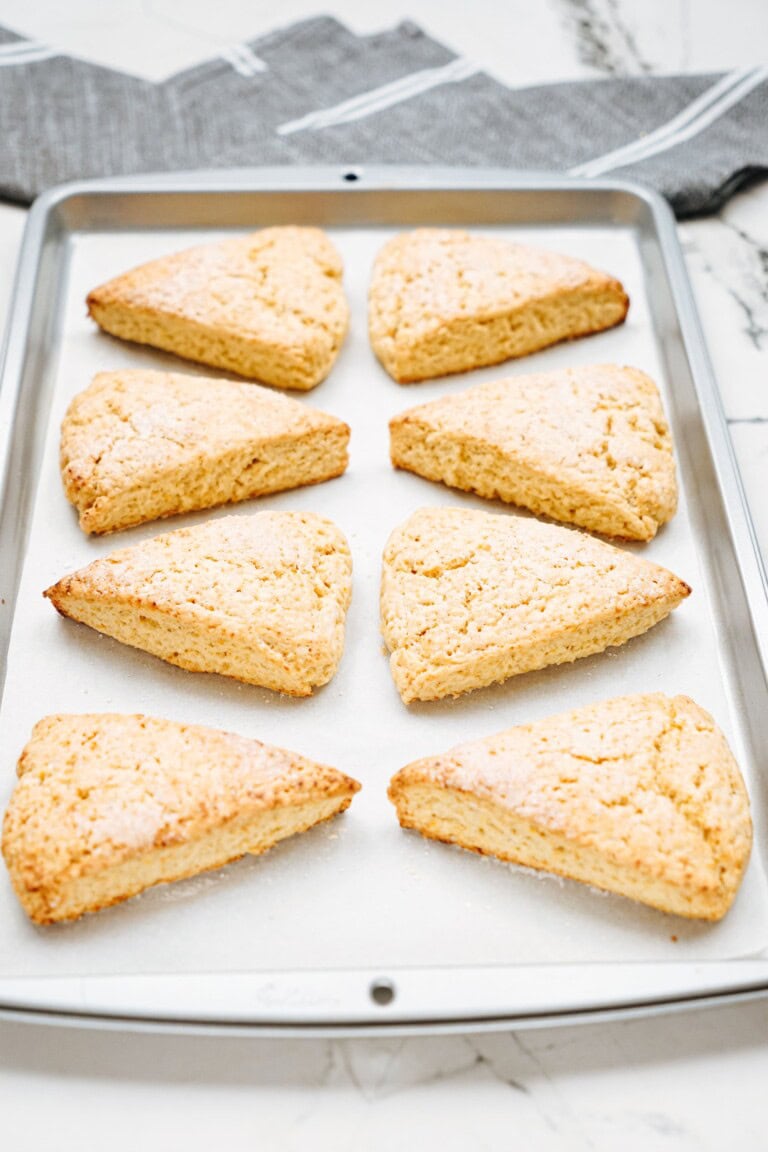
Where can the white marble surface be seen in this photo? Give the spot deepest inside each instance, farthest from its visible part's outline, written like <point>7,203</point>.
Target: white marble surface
<point>683,1082</point>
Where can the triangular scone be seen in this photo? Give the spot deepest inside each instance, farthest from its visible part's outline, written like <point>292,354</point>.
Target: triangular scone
<point>139,445</point>
<point>269,306</point>
<point>471,598</point>
<point>638,795</point>
<point>108,805</point>
<point>588,446</point>
<point>445,301</point>
<point>260,598</point>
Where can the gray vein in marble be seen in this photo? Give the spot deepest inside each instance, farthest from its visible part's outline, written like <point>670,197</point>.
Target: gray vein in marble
<point>757,329</point>
<point>748,288</point>
<point>329,1063</point>
<point>185,24</point>
<point>481,1059</point>
<point>685,29</point>
<point>663,1123</point>
<point>754,328</point>
<point>567,1122</point>
<point>390,1066</point>
<point>387,1067</point>
<point>604,41</point>
<point>348,1065</point>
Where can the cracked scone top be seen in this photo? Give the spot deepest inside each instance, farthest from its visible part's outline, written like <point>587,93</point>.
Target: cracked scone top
<point>261,598</point>
<point>442,301</point>
<point>589,446</point>
<point>639,795</point>
<point>107,805</point>
<point>269,306</point>
<point>471,598</point>
<point>137,445</point>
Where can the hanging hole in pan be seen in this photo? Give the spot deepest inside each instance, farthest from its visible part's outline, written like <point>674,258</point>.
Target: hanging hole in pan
<point>351,176</point>
<point>382,992</point>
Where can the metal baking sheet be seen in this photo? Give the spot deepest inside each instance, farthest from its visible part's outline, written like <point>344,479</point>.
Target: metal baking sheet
<point>358,924</point>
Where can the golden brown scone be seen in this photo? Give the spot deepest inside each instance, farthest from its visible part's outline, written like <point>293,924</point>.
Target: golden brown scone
<point>260,598</point>
<point>638,795</point>
<point>107,805</point>
<point>269,306</point>
<point>138,445</point>
<point>471,598</point>
<point>588,446</point>
<point>444,301</point>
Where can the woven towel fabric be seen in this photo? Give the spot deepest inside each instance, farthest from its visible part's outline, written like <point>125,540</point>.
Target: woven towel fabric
<point>315,93</point>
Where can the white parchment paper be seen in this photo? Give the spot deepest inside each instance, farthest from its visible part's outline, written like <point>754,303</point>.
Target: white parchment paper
<point>357,892</point>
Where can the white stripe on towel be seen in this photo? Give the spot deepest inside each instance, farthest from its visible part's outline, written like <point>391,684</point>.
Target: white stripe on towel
<point>697,116</point>
<point>243,60</point>
<point>13,46</point>
<point>24,52</point>
<point>377,99</point>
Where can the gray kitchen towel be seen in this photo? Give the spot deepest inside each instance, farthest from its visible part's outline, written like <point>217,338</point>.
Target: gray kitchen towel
<point>315,93</point>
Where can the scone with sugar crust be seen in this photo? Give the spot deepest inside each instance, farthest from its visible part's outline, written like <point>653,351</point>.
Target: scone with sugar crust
<point>269,306</point>
<point>638,795</point>
<point>138,445</point>
<point>107,805</point>
<point>261,598</point>
<point>471,598</point>
<point>442,301</point>
<point>588,446</point>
